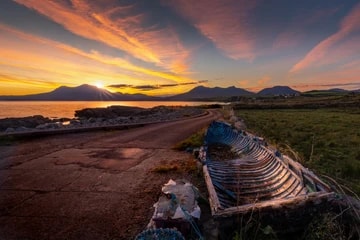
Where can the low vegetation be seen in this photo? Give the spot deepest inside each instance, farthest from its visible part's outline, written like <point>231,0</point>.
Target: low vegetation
<point>194,141</point>
<point>185,166</point>
<point>324,140</point>
<point>307,101</point>
<point>188,165</point>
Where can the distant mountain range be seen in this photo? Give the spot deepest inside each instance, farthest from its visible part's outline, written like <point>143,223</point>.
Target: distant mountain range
<point>332,91</point>
<point>202,92</point>
<point>91,93</point>
<point>81,93</point>
<point>278,90</point>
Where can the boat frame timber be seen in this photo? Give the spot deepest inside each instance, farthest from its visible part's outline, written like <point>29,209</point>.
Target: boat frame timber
<point>321,191</point>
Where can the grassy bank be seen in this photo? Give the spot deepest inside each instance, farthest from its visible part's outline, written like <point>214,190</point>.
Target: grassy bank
<point>324,140</point>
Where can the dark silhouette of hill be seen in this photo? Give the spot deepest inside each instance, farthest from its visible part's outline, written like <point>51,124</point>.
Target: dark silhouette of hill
<point>338,90</point>
<point>332,91</point>
<point>83,92</point>
<point>87,92</point>
<point>278,90</point>
<point>202,92</point>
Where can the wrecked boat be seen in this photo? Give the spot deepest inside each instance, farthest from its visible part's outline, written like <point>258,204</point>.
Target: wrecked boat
<point>243,174</point>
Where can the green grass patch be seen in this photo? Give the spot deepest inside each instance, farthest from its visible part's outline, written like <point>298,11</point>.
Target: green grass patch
<point>194,141</point>
<point>185,166</point>
<point>166,168</point>
<point>325,140</point>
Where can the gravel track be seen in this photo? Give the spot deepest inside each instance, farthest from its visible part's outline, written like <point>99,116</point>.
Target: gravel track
<point>95,185</point>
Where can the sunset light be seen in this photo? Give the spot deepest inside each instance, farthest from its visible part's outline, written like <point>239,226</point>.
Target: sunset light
<point>99,85</point>
<point>129,45</point>
<point>101,102</point>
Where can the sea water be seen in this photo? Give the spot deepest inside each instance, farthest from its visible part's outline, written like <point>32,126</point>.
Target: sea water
<point>66,109</point>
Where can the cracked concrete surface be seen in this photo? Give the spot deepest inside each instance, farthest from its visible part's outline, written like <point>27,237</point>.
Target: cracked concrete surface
<point>96,185</point>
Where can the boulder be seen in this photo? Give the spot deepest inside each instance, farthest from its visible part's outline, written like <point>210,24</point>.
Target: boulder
<point>27,122</point>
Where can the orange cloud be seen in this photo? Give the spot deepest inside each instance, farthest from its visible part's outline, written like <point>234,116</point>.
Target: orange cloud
<point>101,22</point>
<point>23,85</point>
<point>45,60</point>
<point>346,75</point>
<point>260,83</point>
<point>264,80</point>
<point>225,23</point>
<point>244,83</point>
<point>320,53</point>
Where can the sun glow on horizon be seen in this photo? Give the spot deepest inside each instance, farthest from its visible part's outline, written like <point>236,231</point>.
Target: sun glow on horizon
<point>99,85</point>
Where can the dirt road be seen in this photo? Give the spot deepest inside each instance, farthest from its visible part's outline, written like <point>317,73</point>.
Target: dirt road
<point>96,185</point>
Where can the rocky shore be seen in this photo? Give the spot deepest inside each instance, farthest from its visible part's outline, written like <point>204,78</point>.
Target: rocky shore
<point>97,117</point>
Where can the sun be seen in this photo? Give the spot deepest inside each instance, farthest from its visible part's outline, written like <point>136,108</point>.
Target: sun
<point>99,84</point>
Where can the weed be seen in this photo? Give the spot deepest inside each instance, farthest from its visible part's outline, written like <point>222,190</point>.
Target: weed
<point>195,140</point>
<point>185,166</point>
<point>165,168</point>
<point>326,226</point>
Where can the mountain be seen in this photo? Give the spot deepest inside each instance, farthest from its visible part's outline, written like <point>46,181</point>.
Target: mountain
<point>81,93</point>
<point>202,92</point>
<point>278,90</point>
<point>330,92</point>
<point>337,90</point>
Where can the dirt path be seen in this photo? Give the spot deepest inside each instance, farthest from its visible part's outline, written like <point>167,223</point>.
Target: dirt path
<point>96,185</point>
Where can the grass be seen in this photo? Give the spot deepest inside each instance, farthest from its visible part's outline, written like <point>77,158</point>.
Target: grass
<point>186,166</point>
<point>194,141</point>
<point>324,140</point>
<point>326,226</point>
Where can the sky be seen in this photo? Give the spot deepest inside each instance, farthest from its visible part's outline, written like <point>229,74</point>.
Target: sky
<point>166,47</point>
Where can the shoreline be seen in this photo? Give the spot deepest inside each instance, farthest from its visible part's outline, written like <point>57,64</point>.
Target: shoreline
<point>66,109</point>
<point>77,125</point>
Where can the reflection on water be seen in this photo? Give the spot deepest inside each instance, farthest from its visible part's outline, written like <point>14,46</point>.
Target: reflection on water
<point>57,109</point>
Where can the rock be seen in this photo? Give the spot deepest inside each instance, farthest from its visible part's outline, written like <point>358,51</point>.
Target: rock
<point>100,120</point>
<point>97,117</point>
<point>41,126</point>
<point>55,125</point>
<point>122,119</point>
<point>92,120</point>
<point>108,113</point>
<point>9,130</point>
<point>22,129</point>
<point>28,122</point>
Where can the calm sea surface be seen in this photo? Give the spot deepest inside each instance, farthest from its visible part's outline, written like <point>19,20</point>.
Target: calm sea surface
<point>57,109</point>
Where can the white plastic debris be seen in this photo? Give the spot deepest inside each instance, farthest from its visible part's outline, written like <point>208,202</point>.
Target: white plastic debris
<point>179,200</point>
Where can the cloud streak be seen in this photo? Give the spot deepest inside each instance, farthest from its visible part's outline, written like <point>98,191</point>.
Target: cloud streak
<point>225,23</point>
<point>118,26</point>
<point>321,53</point>
<point>153,87</point>
<point>348,85</point>
<point>24,55</point>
